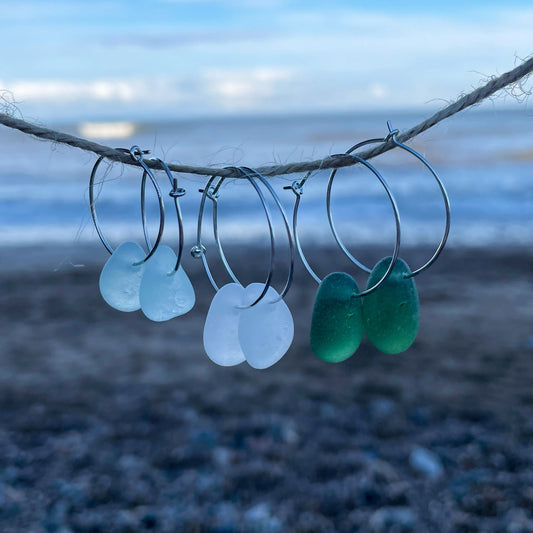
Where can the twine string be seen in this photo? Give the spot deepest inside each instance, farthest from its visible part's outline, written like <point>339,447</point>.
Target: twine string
<point>333,161</point>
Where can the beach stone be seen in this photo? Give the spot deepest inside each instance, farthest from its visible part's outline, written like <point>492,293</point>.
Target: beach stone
<point>120,280</point>
<point>391,313</point>
<point>165,293</point>
<point>337,324</point>
<point>259,519</point>
<point>223,518</point>
<point>518,522</point>
<point>221,337</point>
<point>382,408</point>
<point>266,330</point>
<point>397,519</point>
<point>426,462</point>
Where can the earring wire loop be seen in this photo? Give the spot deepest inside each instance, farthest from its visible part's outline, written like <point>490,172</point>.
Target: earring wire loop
<point>387,190</point>
<point>200,251</point>
<point>175,193</point>
<point>137,154</point>
<point>290,275</point>
<point>297,188</point>
<point>393,135</point>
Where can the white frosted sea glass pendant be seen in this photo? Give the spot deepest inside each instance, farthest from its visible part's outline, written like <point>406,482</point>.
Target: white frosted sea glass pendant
<point>221,340</point>
<point>165,293</point>
<point>120,279</point>
<point>266,330</point>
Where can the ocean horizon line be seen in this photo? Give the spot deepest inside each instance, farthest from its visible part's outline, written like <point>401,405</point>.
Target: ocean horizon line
<point>173,119</point>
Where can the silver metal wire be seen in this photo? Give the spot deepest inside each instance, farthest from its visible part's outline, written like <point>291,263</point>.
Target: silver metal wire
<point>175,193</point>
<point>393,136</point>
<point>290,275</point>
<point>297,188</point>
<point>199,249</point>
<point>137,154</point>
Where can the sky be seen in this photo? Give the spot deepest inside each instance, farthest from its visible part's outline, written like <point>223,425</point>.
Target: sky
<point>171,59</point>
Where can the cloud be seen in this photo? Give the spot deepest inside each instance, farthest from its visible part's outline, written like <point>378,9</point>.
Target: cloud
<point>75,91</point>
<point>245,89</point>
<point>318,59</point>
<point>209,90</point>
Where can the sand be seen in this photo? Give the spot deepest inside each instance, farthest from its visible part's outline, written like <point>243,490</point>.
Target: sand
<point>110,422</point>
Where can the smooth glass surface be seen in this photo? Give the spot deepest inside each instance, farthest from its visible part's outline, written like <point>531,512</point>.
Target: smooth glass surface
<point>266,330</point>
<point>391,313</point>
<point>221,339</point>
<point>120,279</point>
<point>165,293</point>
<point>337,323</point>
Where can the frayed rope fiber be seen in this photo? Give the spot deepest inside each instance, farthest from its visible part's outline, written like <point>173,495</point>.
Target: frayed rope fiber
<point>333,161</point>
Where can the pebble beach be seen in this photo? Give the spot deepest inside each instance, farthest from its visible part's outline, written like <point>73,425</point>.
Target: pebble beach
<point>112,423</point>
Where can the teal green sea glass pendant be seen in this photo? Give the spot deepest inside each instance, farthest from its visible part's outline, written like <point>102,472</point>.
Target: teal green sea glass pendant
<point>392,311</point>
<point>337,325</point>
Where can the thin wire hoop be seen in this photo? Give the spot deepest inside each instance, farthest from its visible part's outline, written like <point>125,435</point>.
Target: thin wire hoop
<point>297,188</point>
<point>175,193</point>
<point>137,155</point>
<point>393,136</point>
<point>199,249</point>
<point>290,241</point>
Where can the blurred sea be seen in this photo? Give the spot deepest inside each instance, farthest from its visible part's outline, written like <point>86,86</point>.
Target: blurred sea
<point>485,159</point>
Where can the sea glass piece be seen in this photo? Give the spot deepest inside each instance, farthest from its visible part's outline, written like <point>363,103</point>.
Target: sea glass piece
<point>266,330</point>
<point>164,292</point>
<point>221,339</point>
<point>120,279</point>
<point>337,323</point>
<point>392,311</point>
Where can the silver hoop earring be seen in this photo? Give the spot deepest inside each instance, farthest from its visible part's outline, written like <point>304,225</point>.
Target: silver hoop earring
<point>259,332</point>
<point>165,291</point>
<point>391,314</point>
<point>137,155</point>
<point>337,324</point>
<point>297,188</point>
<point>212,192</point>
<point>120,278</point>
<point>393,135</point>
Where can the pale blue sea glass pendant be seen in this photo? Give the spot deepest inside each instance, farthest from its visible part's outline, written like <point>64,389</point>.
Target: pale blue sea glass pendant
<point>221,339</point>
<point>165,293</point>
<point>120,279</point>
<point>266,330</point>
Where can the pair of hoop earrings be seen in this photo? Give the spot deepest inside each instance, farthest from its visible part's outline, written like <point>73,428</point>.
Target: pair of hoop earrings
<point>388,309</point>
<point>154,282</point>
<point>251,324</point>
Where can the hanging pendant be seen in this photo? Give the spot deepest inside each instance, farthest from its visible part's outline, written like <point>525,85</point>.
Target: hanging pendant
<point>337,325</point>
<point>266,330</point>
<point>391,313</point>
<point>221,337</point>
<point>120,279</point>
<point>165,293</point>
